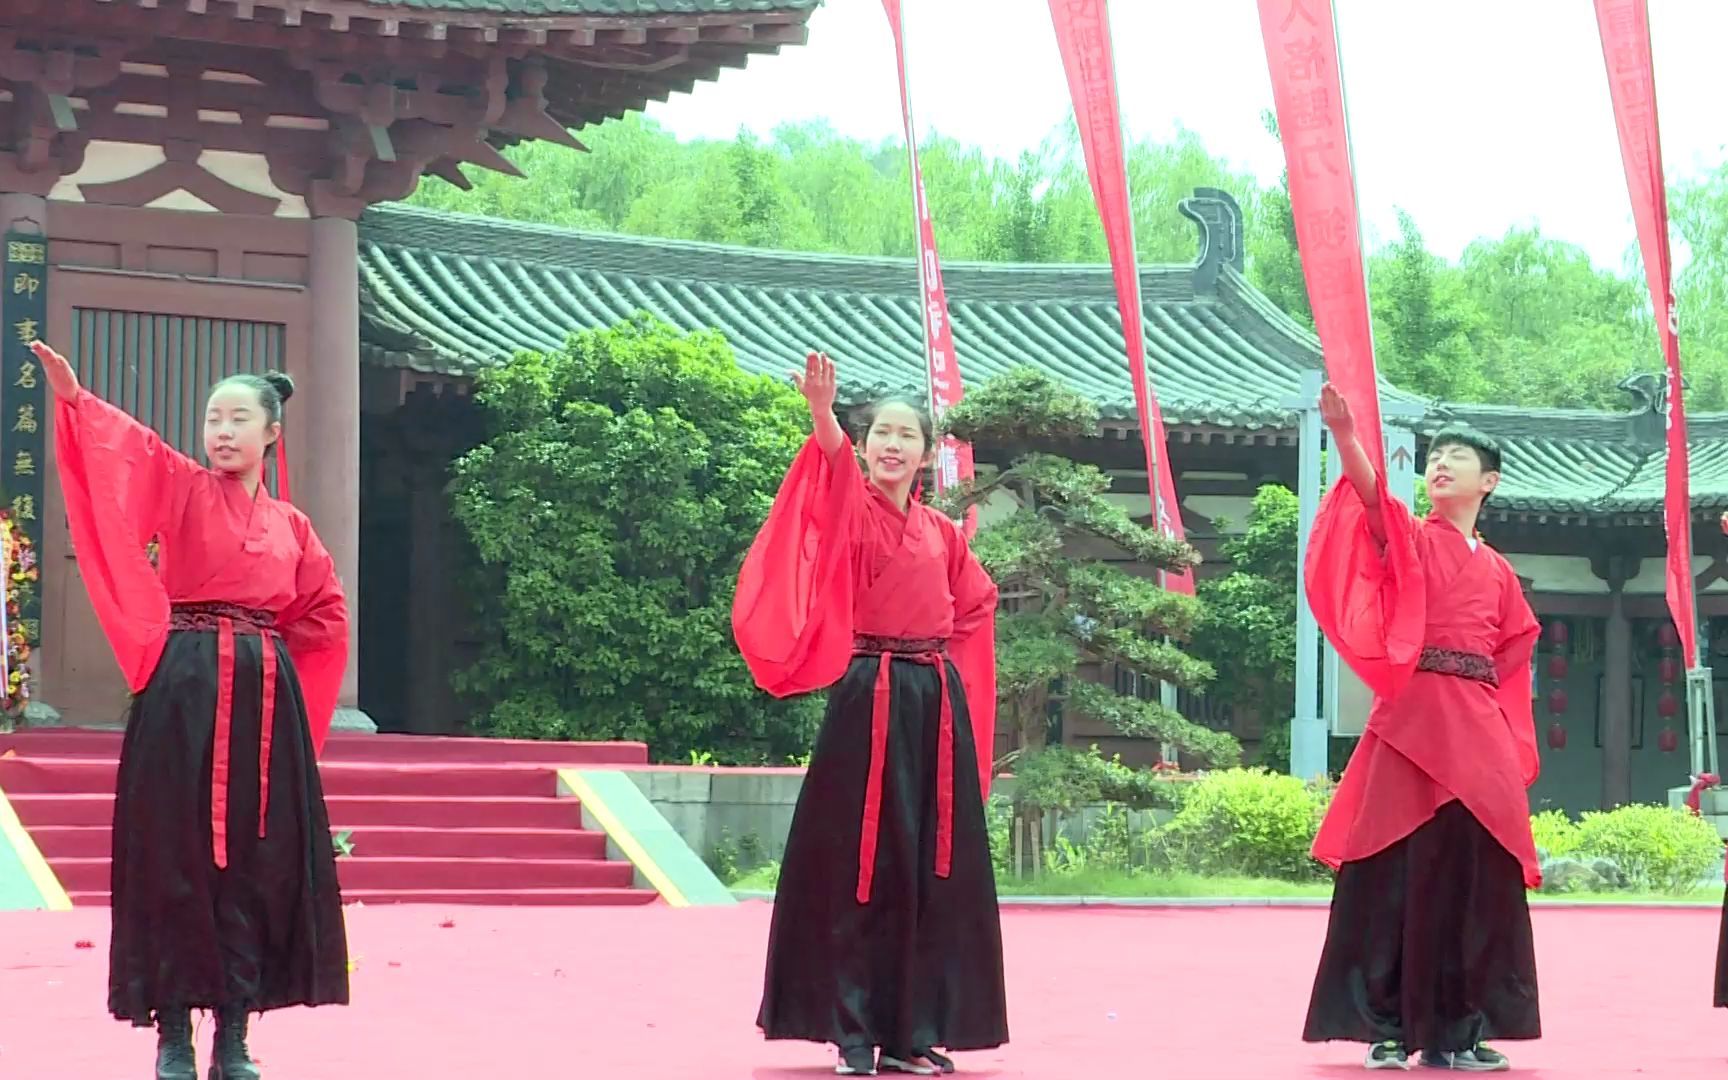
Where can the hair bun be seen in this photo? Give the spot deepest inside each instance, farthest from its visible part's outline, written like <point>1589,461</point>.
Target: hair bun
<point>281,381</point>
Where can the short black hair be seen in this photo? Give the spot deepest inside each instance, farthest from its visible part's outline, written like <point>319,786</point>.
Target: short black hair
<point>1487,450</point>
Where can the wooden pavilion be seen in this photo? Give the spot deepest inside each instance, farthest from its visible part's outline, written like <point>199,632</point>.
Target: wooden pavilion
<point>180,186</point>
<point>443,296</point>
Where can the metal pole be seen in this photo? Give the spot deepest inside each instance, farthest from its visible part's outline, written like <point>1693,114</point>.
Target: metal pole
<point>1308,735</point>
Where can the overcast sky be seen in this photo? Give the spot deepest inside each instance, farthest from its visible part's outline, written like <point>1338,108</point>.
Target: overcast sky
<point>1492,114</point>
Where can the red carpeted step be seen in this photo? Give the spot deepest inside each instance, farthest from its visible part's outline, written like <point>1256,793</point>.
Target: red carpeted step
<point>62,809</point>
<point>91,875</point>
<point>502,897</point>
<point>440,821</point>
<point>29,775</point>
<point>409,841</point>
<point>95,841</point>
<point>399,749</point>
<point>360,811</point>
<point>73,841</point>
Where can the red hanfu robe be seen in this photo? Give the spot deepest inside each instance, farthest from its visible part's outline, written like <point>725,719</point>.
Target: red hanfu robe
<point>1431,737</point>
<point>215,544</point>
<point>835,561</point>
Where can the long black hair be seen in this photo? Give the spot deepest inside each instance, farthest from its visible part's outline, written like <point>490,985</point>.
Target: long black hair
<point>866,418</point>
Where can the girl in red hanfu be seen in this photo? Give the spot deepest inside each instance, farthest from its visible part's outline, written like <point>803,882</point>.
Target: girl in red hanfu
<point>886,934</point>
<point>1429,945</point>
<point>224,873</point>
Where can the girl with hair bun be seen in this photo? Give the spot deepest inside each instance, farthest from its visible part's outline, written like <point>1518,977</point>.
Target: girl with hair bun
<point>234,644</point>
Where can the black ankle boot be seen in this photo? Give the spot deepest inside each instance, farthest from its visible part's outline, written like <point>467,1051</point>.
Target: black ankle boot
<point>231,1059</point>
<point>175,1058</point>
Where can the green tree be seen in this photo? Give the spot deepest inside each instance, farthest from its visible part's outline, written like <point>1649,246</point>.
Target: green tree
<point>1248,629</point>
<point>1069,612</point>
<point>610,506</point>
<point>1420,321</point>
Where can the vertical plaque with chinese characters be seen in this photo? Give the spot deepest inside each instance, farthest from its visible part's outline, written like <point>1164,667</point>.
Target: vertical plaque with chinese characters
<point>24,306</point>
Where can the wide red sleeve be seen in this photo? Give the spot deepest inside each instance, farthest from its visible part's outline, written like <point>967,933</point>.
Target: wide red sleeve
<point>123,487</point>
<point>972,647</point>
<point>1519,631</point>
<point>1368,597</point>
<point>792,613</point>
<point>315,628</point>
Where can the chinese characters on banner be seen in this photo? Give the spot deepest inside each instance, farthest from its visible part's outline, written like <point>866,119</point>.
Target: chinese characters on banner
<point>1083,34</point>
<point>1625,29</point>
<point>953,457</point>
<point>1308,91</point>
<point>24,306</point>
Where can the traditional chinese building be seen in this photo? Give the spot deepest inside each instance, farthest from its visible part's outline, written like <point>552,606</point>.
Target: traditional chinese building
<point>180,184</point>
<point>444,296</point>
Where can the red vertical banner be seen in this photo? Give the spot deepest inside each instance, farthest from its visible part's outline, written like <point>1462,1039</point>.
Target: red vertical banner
<point>1083,34</point>
<point>1308,92</point>
<point>953,458</point>
<point>1625,29</point>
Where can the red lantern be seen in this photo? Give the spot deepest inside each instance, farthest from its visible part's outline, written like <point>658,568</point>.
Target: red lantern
<point>1668,636</point>
<point>1668,741</point>
<point>1556,736</point>
<point>1556,701</point>
<point>1667,706</point>
<point>1557,666</point>
<point>1557,632</point>
<point>1669,669</point>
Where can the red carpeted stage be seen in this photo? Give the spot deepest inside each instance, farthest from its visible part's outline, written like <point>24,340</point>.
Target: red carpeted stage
<point>653,993</point>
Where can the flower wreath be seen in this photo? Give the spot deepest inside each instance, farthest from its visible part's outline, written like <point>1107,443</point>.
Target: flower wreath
<point>18,562</point>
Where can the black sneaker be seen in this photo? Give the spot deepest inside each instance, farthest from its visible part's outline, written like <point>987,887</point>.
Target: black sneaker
<point>1387,1055</point>
<point>856,1061</point>
<point>1478,1059</point>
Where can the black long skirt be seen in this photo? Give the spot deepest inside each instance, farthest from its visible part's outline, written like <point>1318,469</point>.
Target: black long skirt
<point>265,933</point>
<point>1429,944</point>
<point>920,965</point>
<point>1721,999</point>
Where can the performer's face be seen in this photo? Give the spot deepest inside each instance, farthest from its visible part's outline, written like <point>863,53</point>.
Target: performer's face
<point>1455,474</point>
<point>237,430</point>
<point>894,448</point>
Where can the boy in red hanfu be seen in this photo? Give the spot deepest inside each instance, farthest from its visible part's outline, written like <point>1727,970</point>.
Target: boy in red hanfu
<point>1428,946</point>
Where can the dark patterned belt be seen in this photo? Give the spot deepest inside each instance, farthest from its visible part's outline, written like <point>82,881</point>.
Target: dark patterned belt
<point>1459,664</point>
<point>875,645</point>
<point>934,652</point>
<point>226,620</point>
<point>208,617</point>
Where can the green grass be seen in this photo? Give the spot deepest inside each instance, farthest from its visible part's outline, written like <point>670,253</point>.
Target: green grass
<point>1120,885</point>
<point>761,879</point>
<point>1115,883</point>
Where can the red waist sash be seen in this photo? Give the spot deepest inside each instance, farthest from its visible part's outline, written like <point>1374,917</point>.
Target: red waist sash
<point>226,620</point>
<point>932,651</point>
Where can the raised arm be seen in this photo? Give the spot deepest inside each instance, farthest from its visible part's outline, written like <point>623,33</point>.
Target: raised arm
<point>1352,459</point>
<point>792,613</point>
<point>123,487</point>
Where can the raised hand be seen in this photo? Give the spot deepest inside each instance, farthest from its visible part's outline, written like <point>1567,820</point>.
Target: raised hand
<point>61,378</point>
<point>1335,412</point>
<point>817,383</point>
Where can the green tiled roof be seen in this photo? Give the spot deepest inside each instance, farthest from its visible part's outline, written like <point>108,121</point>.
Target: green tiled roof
<point>1576,461</point>
<point>453,294</point>
<point>617,8</point>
